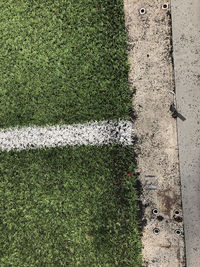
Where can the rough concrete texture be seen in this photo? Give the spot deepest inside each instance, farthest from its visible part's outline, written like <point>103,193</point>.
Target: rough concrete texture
<point>186,40</point>
<point>91,133</point>
<point>152,78</point>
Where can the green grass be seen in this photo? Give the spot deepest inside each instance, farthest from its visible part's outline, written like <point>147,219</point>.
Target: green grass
<point>62,62</point>
<point>65,62</point>
<point>53,201</point>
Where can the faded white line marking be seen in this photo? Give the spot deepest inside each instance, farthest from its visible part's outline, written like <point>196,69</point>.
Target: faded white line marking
<point>91,133</point>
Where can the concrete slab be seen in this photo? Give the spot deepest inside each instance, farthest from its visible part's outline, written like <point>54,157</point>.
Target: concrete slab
<point>186,43</point>
<point>148,24</point>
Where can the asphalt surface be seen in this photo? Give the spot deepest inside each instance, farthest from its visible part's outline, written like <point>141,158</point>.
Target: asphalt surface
<point>186,42</point>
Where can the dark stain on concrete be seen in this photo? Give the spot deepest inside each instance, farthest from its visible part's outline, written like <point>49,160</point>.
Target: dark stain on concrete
<point>160,218</point>
<point>167,201</point>
<point>178,218</point>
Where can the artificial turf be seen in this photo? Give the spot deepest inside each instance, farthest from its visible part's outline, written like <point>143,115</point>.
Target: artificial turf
<point>68,207</point>
<point>65,62</point>
<point>62,62</point>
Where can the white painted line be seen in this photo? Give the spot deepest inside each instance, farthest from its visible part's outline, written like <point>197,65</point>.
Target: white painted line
<point>91,133</point>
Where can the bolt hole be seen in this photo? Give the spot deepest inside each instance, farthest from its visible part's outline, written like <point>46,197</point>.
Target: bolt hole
<point>165,6</point>
<point>178,232</point>
<point>147,55</point>
<point>142,11</point>
<point>177,212</point>
<point>155,211</point>
<point>156,231</point>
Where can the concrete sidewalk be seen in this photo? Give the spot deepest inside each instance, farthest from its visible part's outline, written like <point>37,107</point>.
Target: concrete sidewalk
<point>186,42</point>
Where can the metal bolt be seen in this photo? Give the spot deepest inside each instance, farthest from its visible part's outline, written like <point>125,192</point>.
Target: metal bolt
<point>176,212</point>
<point>178,232</point>
<point>155,211</point>
<point>156,231</point>
<point>165,6</point>
<point>142,11</point>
